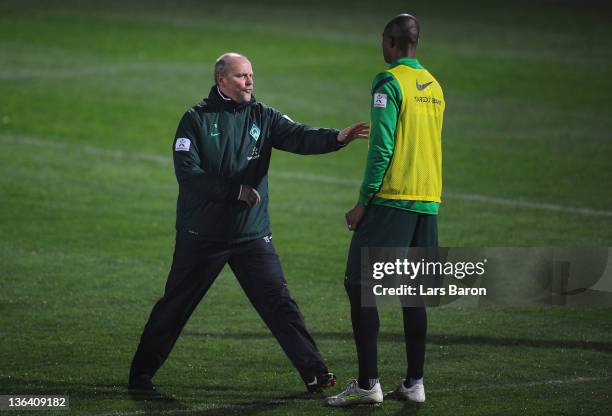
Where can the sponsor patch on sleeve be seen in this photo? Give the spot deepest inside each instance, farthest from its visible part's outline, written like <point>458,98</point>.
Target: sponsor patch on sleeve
<point>182,144</point>
<point>380,100</point>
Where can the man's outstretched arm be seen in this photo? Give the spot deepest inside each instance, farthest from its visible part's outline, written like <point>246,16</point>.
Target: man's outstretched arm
<point>294,137</point>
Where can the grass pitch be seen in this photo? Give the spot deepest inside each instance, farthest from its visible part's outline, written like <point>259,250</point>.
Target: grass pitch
<point>91,96</point>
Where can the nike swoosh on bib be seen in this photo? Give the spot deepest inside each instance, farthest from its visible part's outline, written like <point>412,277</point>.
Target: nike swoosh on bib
<point>421,87</point>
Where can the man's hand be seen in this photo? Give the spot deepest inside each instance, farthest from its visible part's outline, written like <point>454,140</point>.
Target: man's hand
<point>249,195</point>
<point>354,216</point>
<point>356,131</point>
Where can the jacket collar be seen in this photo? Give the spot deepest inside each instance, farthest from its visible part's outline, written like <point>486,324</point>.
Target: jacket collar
<point>218,101</point>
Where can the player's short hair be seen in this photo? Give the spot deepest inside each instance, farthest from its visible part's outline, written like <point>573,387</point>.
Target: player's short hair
<point>404,29</point>
<point>222,63</point>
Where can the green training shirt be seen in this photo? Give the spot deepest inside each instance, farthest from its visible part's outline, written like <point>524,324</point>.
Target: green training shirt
<point>382,143</point>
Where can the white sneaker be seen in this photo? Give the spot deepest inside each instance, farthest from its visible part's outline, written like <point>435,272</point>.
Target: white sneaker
<point>354,395</point>
<point>416,393</point>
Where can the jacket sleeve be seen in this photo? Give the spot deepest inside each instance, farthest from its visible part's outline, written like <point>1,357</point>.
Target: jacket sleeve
<point>386,103</point>
<point>188,166</point>
<point>300,138</point>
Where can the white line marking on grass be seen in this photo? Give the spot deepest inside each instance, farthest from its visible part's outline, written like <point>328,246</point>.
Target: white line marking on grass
<point>526,204</point>
<point>521,385</point>
<point>51,73</point>
<point>462,196</point>
<point>98,151</point>
<point>210,406</point>
<point>491,200</point>
<point>197,408</point>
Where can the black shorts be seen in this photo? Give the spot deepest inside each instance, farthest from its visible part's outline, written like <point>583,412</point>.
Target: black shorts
<point>384,226</point>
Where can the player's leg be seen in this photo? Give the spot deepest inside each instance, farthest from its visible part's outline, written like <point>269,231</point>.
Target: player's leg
<point>415,333</point>
<point>195,266</point>
<point>258,270</point>
<point>415,320</point>
<point>364,318</point>
<point>381,227</point>
<point>365,322</point>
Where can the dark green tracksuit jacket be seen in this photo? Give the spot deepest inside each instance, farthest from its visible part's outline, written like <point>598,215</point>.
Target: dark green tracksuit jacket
<point>220,145</point>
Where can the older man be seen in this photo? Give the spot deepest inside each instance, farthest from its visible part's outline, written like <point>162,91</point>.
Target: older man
<point>222,152</point>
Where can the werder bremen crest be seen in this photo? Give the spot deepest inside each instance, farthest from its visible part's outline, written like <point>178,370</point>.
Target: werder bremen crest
<point>255,132</point>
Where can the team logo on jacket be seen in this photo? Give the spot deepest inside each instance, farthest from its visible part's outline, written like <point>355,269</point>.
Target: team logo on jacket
<point>182,144</point>
<point>255,132</point>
